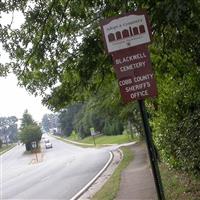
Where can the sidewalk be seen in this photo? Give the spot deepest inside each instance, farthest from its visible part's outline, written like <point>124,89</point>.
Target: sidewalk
<point>137,181</point>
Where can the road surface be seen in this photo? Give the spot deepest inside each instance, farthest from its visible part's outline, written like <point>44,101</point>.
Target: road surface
<point>64,171</point>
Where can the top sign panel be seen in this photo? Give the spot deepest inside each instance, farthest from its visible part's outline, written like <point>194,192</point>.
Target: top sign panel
<point>125,31</point>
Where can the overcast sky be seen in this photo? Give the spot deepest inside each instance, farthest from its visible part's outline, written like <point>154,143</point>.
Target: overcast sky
<point>14,100</point>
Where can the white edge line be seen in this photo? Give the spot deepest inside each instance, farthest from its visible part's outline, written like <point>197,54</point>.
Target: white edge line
<point>76,196</point>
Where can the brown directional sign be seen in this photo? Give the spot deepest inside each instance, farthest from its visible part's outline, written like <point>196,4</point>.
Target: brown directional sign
<point>134,72</point>
<point>126,38</point>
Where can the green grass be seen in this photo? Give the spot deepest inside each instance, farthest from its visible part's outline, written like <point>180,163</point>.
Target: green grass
<point>64,140</point>
<point>103,139</point>
<point>178,185</point>
<point>111,187</point>
<point>6,148</point>
<point>100,140</point>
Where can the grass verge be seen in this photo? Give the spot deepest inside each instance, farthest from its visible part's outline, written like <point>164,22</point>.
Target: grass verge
<point>104,139</point>
<point>4,149</point>
<point>111,187</point>
<point>117,139</point>
<point>178,185</point>
<point>100,140</point>
<point>84,145</point>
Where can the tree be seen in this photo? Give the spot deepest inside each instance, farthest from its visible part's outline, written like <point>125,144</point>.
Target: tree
<point>80,66</point>
<point>59,48</point>
<point>176,121</point>
<point>8,128</point>
<point>67,117</point>
<point>50,121</point>
<point>26,120</point>
<point>29,134</point>
<point>29,131</point>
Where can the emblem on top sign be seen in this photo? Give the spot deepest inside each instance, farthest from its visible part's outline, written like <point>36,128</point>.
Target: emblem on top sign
<point>126,31</point>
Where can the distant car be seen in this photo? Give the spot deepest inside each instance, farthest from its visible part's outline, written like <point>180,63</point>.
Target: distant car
<point>46,140</point>
<point>48,145</point>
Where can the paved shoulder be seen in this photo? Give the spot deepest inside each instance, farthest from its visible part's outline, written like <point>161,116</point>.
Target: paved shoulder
<point>137,180</point>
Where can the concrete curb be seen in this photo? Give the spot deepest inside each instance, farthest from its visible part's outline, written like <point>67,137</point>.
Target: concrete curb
<point>127,144</point>
<point>105,176</point>
<point>85,188</point>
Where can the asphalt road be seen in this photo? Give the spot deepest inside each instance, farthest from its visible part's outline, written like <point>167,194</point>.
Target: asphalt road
<point>64,171</point>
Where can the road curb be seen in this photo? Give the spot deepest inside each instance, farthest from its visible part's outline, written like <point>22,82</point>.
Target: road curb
<point>85,188</point>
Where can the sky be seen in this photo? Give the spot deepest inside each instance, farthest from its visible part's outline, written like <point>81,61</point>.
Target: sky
<point>14,100</point>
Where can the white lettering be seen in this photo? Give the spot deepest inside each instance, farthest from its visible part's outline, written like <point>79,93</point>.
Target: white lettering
<point>132,66</point>
<point>130,58</point>
<point>125,82</point>
<point>143,78</point>
<point>139,94</point>
<point>140,86</point>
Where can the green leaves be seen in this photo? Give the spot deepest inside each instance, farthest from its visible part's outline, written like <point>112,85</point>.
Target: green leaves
<point>29,131</point>
<point>176,122</point>
<point>30,134</point>
<point>58,52</point>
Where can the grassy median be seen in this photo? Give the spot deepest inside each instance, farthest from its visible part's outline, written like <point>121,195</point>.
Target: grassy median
<point>6,148</point>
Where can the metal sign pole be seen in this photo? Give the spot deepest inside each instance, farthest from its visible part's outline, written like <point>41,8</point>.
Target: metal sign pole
<point>151,151</point>
<point>94,140</point>
<point>36,155</point>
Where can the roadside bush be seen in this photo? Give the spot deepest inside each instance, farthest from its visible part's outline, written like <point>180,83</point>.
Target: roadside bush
<point>176,122</point>
<point>176,119</point>
<point>179,141</point>
<point>114,127</point>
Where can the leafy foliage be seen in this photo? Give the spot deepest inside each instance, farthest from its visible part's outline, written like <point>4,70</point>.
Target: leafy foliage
<point>8,128</point>
<point>29,131</point>
<point>49,121</point>
<point>67,117</point>
<point>59,48</point>
<point>30,134</point>
<point>176,121</point>
<point>26,120</point>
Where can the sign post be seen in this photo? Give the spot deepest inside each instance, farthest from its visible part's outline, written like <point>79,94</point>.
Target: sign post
<point>92,131</point>
<point>34,146</point>
<point>151,151</point>
<point>126,38</point>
